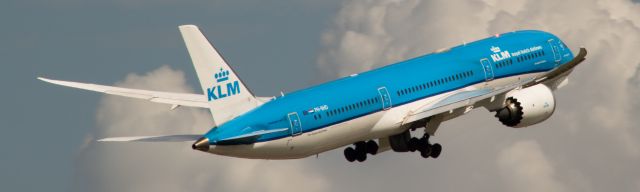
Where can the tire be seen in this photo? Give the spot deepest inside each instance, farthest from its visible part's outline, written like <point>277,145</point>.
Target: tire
<point>350,154</point>
<point>425,153</point>
<point>360,145</point>
<point>361,156</point>
<point>413,144</point>
<point>435,150</point>
<point>422,144</point>
<point>372,147</point>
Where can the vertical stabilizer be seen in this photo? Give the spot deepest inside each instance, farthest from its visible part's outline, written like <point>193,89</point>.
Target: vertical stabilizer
<point>227,94</point>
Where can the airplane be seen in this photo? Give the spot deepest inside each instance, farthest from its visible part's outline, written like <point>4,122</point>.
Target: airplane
<point>512,74</point>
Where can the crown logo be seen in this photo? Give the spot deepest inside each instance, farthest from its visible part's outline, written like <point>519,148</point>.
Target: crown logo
<point>221,76</point>
<point>495,49</point>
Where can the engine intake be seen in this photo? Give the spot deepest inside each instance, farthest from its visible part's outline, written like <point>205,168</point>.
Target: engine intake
<point>511,114</point>
<point>527,106</point>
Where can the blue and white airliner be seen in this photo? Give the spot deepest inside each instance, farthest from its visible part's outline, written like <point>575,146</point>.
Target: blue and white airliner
<point>512,74</point>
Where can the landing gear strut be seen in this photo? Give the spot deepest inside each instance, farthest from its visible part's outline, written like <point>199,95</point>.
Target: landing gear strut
<point>360,151</point>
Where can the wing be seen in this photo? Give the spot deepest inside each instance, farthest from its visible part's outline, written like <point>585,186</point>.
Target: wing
<point>175,99</point>
<point>562,69</point>
<point>469,97</point>
<point>161,138</point>
<point>460,99</point>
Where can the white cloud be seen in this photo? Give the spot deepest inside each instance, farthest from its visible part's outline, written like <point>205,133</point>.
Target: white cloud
<point>173,166</point>
<point>598,109</point>
<point>525,168</point>
<point>589,145</point>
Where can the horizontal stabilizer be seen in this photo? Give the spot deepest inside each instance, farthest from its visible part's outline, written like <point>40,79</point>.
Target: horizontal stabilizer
<point>161,138</point>
<point>175,99</point>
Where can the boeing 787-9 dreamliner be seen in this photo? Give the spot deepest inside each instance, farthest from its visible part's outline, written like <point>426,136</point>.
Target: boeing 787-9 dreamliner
<point>512,74</point>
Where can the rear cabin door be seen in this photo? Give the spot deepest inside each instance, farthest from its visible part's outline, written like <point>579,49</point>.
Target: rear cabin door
<point>295,124</point>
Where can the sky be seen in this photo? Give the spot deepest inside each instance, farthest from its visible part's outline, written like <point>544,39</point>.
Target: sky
<point>49,132</point>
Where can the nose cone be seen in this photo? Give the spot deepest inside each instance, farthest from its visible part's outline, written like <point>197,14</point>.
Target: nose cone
<point>201,144</point>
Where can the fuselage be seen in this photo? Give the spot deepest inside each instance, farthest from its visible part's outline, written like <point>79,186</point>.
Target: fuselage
<point>363,106</point>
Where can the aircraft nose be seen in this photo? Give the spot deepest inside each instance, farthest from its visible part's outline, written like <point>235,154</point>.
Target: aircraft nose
<point>201,144</point>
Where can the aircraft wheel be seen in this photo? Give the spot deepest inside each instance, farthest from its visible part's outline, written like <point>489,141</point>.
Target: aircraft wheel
<point>422,144</point>
<point>361,155</point>
<point>413,144</point>
<point>426,153</point>
<point>350,154</point>
<point>372,147</point>
<point>435,150</point>
<point>361,146</point>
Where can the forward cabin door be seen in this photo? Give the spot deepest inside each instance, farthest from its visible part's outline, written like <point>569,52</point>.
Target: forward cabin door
<point>488,70</point>
<point>556,52</point>
<point>385,98</point>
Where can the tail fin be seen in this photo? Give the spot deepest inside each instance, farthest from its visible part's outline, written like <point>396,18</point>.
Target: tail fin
<point>228,96</point>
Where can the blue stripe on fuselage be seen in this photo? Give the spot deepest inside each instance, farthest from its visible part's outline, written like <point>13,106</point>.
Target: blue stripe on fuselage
<point>420,71</point>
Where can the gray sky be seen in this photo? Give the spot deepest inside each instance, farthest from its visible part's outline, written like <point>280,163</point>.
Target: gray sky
<point>590,144</point>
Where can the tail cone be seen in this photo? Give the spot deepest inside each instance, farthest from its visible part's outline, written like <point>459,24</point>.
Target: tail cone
<point>201,144</point>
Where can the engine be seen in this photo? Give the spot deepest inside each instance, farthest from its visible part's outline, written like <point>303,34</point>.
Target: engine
<point>527,106</point>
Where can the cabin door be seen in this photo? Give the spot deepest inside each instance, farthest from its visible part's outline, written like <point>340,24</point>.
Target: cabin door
<point>384,98</point>
<point>294,124</point>
<point>488,70</point>
<point>556,51</point>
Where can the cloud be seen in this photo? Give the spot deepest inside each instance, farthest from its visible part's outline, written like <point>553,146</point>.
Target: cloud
<point>173,166</point>
<point>588,145</point>
<point>524,164</point>
<point>598,109</point>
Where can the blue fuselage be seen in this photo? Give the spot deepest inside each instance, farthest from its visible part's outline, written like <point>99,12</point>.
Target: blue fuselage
<point>355,96</point>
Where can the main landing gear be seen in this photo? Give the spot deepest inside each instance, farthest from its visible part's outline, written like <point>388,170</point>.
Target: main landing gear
<point>360,151</point>
<point>424,147</point>
<point>403,142</point>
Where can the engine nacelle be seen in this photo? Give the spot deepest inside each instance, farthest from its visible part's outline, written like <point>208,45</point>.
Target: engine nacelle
<point>527,106</point>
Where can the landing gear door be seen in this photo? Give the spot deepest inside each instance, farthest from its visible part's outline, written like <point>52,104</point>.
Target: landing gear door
<point>488,70</point>
<point>384,98</point>
<point>295,124</point>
